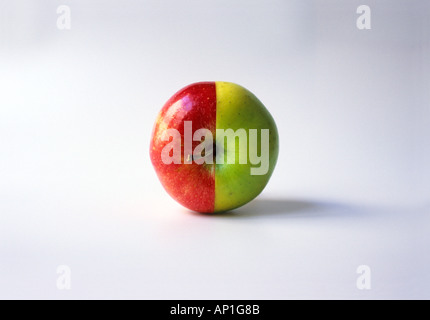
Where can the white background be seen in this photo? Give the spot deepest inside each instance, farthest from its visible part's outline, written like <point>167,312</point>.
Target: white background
<point>351,186</point>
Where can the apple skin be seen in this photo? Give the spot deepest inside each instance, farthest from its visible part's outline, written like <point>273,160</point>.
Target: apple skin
<point>191,185</point>
<point>212,188</point>
<point>239,108</point>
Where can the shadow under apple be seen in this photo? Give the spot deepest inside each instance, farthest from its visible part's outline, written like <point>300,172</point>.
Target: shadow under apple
<point>265,207</point>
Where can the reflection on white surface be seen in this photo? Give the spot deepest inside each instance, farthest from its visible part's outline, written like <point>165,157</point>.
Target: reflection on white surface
<point>350,189</point>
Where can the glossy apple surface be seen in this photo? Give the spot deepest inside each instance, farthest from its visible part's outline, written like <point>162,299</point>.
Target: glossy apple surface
<point>210,188</point>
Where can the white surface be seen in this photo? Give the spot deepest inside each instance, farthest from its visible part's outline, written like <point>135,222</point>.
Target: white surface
<point>352,183</point>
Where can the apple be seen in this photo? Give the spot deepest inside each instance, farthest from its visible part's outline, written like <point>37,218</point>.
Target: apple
<point>214,146</point>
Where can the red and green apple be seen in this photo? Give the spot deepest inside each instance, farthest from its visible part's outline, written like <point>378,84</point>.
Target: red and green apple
<point>214,185</point>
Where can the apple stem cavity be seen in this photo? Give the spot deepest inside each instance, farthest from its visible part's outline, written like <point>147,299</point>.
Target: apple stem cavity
<point>211,154</point>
